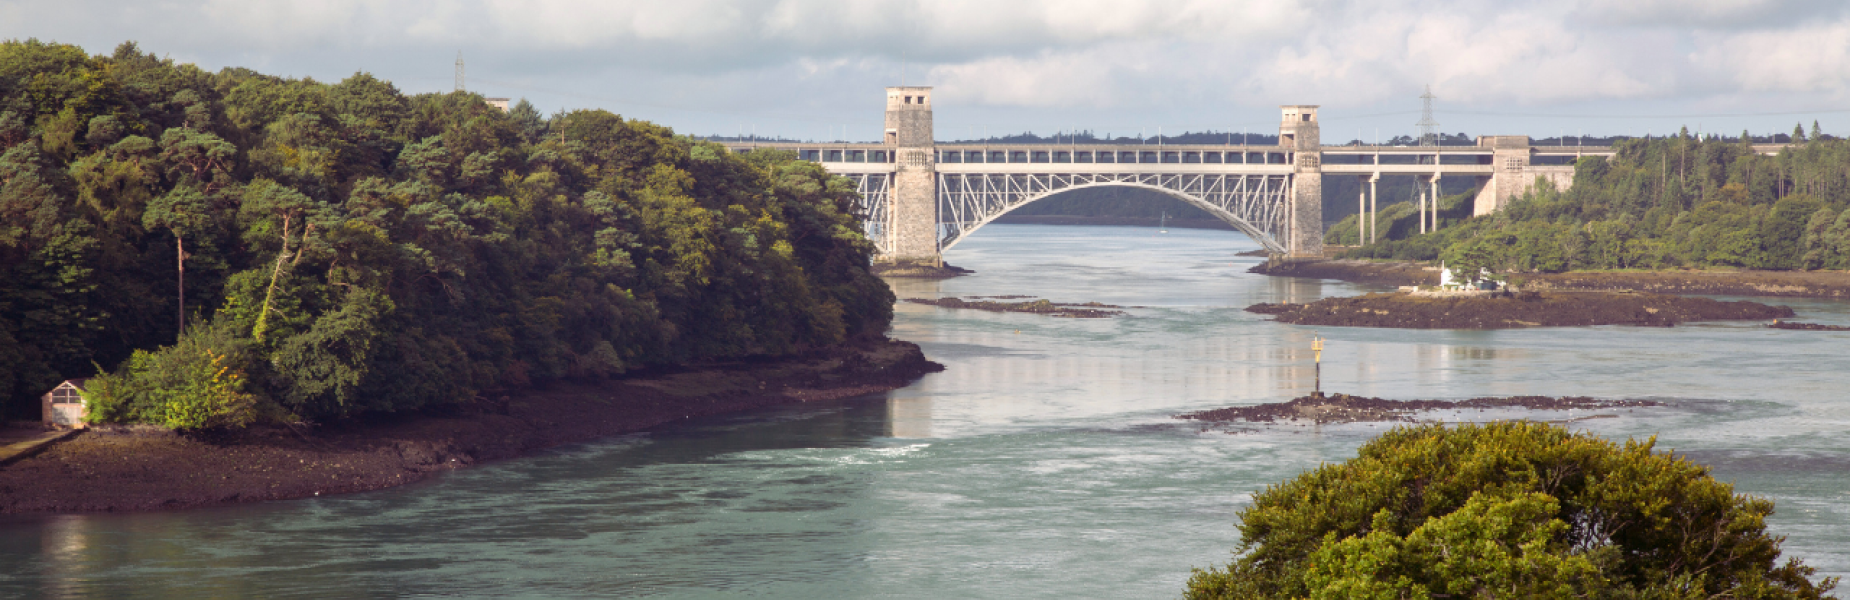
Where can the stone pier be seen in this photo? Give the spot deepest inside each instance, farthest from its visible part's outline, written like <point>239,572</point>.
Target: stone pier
<point>915,177</point>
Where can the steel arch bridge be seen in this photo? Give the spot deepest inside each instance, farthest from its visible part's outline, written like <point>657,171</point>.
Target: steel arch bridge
<point>921,197</point>
<point>1253,204</point>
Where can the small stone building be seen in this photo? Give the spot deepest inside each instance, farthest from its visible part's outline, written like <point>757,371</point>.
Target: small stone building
<point>64,405</point>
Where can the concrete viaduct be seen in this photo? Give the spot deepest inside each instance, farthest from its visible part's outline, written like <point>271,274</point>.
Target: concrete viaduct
<point>922,197</point>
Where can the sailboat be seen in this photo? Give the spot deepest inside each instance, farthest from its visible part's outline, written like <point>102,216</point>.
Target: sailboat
<point>1163,226</point>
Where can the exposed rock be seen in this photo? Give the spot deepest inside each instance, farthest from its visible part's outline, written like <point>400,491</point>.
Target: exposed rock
<point>1088,310</point>
<point>1778,324</point>
<point>918,271</point>
<point>1510,311</point>
<point>1344,408</point>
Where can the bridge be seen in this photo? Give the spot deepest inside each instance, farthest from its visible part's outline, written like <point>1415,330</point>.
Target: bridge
<point>922,197</point>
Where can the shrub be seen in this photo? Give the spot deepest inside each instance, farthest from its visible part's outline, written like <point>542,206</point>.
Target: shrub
<point>199,382</point>
<point>1507,510</point>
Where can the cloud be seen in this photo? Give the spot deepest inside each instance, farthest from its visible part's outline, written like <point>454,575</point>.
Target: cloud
<point>1705,14</point>
<point>1077,57</point>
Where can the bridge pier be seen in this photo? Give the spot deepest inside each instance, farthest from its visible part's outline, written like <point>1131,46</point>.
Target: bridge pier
<point>1299,132</point>
<point>914,212</point>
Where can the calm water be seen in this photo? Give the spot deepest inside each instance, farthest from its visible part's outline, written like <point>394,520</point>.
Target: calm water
<point>1042,463</point>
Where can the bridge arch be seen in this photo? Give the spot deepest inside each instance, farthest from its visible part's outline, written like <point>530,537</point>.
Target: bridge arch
<point>1231,219</point>
<point>1254,206</point>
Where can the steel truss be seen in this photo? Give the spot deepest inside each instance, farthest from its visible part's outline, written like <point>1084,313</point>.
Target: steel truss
<point>875,207</point>
<point>1254,204</point>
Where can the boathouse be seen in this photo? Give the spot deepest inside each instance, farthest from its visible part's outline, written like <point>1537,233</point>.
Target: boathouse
<point>64,405</point>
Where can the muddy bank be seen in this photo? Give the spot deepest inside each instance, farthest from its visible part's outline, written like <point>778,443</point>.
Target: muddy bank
<point>1344,408</point>
<point>918,271</point>
<point>1510,311</point>
<point>1088,310</point>
<point>1792,284</point>
<point>150,469</point>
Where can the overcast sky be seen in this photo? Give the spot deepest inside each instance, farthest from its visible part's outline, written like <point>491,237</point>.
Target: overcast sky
<point>811,68</point>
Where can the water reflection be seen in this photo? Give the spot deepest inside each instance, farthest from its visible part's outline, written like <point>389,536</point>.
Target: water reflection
<point>64,550</point>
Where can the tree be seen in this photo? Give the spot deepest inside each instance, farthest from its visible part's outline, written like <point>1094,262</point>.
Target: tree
<point>278,210</point>
<point>181,212</point>
<point>196,155</point>
<point>1507,510</point>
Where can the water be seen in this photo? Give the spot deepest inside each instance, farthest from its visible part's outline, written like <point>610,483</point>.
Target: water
<point>1041,463</point>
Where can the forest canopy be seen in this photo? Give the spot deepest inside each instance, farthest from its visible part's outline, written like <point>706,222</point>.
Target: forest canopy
<point>339,248</point>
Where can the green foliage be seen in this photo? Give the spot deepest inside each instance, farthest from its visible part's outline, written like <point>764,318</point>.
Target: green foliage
<point>1660,203</point>
<point>200,382</point>
<point>372,251</point>
<point>1506,510</point>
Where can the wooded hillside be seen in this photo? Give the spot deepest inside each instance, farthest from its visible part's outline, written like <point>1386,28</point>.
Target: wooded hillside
<point>1659,203</point>
<point>345,248</point>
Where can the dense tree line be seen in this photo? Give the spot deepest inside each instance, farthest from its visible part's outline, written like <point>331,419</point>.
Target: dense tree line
<point>338,248</point>
<point>1659,203</point>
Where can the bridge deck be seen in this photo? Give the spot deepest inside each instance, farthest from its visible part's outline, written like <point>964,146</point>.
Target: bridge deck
<point>1221,156</point>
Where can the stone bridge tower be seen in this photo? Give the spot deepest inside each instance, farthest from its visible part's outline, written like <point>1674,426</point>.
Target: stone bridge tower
<point>1298,133</point>
<point>914,194</point>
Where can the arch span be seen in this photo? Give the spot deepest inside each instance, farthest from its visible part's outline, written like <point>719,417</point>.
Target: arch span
<point>1254,205</point>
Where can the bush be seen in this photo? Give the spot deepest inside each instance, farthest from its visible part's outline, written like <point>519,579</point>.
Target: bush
<point>1507,510</point>
<point>198,383</point>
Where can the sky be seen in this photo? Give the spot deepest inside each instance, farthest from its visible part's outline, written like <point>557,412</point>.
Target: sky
<point>816,69</point>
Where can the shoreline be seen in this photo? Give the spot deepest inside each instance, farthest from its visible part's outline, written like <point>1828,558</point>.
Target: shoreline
<point>1778,284</point>
<point>128,469</point>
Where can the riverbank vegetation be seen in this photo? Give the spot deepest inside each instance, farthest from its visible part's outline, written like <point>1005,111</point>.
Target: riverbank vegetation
<point>234,247</point>
<point>1507,510</point>
<point>1659,203</point>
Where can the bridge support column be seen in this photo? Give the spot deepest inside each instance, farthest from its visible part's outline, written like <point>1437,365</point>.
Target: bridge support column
<point>1509,159</point>
<point>1362,212</point>
<point>1435,199</point>
<point>1299,133</point>
<point>914,194</point>
<point>1374,229</point>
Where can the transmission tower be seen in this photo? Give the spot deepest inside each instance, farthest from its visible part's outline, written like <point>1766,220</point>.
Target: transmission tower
<point>460,87</point>
<point>1429,129</point>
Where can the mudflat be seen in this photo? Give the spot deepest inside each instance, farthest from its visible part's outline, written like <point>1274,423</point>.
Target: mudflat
<point>1086,310</point>
<point>1511,311</point>
<point>144,468</point>
<point>1792,284</point>
<point>1344,408</point>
